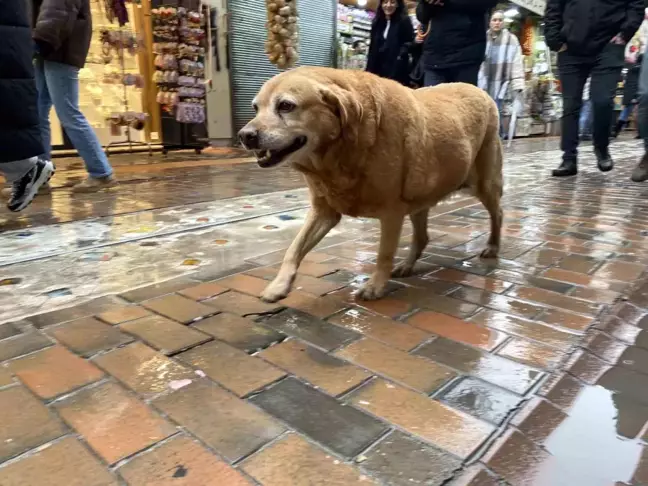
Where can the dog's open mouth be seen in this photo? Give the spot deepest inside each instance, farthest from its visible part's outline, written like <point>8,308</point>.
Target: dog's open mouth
<point>270,158</point>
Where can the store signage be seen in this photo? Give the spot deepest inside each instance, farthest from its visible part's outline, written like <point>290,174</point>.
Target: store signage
<point>535,6</point>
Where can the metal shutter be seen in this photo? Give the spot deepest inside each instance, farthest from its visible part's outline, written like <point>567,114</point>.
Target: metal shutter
<point>250,67</point>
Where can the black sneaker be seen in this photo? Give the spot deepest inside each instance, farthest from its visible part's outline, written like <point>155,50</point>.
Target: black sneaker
<point>605,162</point>
<point>569,167</point>
<point>24,190</point>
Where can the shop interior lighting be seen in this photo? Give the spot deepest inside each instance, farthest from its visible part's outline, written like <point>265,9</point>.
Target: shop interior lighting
<point>362,3</point>
<point>514,12</point>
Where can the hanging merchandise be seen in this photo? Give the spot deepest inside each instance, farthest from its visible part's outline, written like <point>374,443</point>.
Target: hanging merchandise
<point>283,33</point>
<point>123,41</point>
<point>165,50</point>
<point>191,67</point>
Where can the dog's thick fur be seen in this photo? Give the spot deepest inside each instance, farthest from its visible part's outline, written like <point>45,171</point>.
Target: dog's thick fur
<point>370,147</point>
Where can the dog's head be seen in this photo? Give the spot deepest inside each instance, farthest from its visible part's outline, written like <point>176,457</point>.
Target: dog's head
<point>298,113</point>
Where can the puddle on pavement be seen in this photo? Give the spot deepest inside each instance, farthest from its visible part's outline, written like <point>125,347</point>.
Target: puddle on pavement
<point>587,443</point>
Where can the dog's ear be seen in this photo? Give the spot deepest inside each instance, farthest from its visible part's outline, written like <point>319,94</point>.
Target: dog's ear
<point>347,107</point>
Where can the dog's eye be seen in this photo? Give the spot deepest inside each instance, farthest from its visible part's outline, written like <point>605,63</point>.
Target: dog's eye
<point>255,107</point>
<point>286,106</point>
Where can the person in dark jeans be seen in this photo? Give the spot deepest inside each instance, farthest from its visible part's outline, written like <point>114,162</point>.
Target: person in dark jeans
<point>454,49</point>
<point>590,38</point>
<point>640,173</point>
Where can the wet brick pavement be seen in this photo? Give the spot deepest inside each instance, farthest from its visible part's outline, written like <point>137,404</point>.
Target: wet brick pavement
<point>532,370</point>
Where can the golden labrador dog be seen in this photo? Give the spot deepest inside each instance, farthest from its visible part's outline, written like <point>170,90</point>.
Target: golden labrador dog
<point>370,147</point>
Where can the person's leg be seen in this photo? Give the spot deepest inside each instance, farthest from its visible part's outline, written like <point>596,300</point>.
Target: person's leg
<point>44,107</point>
<point>13,171</point>
<point>434,78</point>
<point>467,74</point>
<point>26,178</point>
<point>586,121</point>
<point>622,122</point>
<point>625,113</point>
<point>574,72</point>
<point>640,173</point>
<point>63,86</point>
<point>605,77</point>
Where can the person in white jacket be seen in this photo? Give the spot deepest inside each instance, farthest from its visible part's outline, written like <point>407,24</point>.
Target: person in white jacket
<point>502,72</point>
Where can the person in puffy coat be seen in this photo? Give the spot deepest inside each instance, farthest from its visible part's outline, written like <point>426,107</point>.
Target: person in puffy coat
<point>590,38</point>
<point>20,138</point>
<point>62,33</point>
<point>454,48</point>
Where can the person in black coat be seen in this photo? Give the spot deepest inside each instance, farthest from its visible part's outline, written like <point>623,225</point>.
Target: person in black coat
<point>454,49</point>
<point>590,38</point>
<point>392,34</point>
<point>20,136</point>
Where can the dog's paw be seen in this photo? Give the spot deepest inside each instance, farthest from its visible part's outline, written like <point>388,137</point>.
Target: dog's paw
<point>490,252</point>
<point>275,292</point>
<point>402,270</point>
<point>371,291</point>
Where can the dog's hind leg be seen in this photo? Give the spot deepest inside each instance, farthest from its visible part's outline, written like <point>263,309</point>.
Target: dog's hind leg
<point>489,190</point>
<point>420,240</point>
<point>320,220</point>
<point>390,231</point>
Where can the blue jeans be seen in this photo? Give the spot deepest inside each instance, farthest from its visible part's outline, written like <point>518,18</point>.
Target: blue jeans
<point>586,119</point>
<point>625,114</point>
<point>58,84</point>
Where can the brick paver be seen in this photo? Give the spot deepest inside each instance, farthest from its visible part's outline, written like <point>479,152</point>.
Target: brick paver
<point>528,370</point>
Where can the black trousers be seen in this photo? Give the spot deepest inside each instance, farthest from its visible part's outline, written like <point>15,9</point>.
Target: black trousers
<point>605,70</point>
<point>468,73</point>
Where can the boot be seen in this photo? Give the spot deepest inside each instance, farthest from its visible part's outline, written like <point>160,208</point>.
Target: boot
<point>620,125</point>
<point>640,173</point>
<point>569,167</point>
<point>603,159</point>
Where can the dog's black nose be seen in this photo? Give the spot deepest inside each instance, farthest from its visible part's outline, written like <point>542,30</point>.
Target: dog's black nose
<point>249,137</point>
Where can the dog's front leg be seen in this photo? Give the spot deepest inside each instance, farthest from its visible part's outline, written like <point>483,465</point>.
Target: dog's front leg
<point>320,220</point>
<point>390,231</point>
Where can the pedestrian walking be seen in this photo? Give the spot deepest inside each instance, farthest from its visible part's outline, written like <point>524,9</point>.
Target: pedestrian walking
<point>453,51</point>
<point>62,33</point>
<point>392,35</point>
<point>502,72</point>
<point>20,138</point>
<point>640,173</point>
<point>590,37</point>
<point>633,58</point>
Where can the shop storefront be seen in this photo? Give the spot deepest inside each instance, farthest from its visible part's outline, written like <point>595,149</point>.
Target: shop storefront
<point>250,66</point>
<point>144,82</point>
<point>540,106</point>
<point>114,85</point>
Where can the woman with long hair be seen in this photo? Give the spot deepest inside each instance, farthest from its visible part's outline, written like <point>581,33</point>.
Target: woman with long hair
<point>391,37</point>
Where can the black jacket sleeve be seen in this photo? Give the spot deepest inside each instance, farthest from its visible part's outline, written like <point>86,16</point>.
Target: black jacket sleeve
<point>406,31</point>
<point>471,6</point>
<point>55,22</point>
<point>634,18</point>
<point>426,9</point>
<point>425,12</point>
<point>554,24</point>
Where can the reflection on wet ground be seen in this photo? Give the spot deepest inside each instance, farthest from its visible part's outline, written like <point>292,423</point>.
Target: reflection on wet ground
<point>135,324</point>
